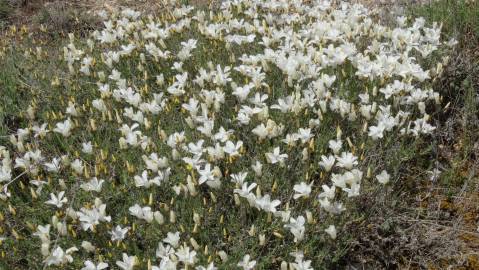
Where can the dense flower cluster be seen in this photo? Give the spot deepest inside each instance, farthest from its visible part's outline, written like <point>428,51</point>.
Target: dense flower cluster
<point>265,109</point>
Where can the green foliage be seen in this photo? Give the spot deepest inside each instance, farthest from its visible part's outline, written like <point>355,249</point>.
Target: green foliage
<point>12,95</point>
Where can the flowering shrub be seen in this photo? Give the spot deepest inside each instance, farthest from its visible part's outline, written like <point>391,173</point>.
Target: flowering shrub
<point>237,138</point>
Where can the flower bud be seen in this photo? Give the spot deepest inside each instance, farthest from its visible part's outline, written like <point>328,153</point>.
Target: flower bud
<point>172,216</point>
<point>262,239</point>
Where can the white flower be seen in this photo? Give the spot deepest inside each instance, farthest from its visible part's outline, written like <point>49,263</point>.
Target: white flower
<point>71,110</point>
<point>239,177</point>
<point>331,230</point>
<point>304,134</point>
<point>266,204</point>
<point>222,135</point>
<point>302,190</point>
<point>142,212</point>
<point>299,262</point>
<point>89,265</point>
<point>99,104</point>
<point>261,131</point>
<point>53,166</point>
<point>164,251</point>
<point>245,190</point>
<point>87,246</point>
<point>196,149</point>
<point>327,162</point>
<point>257,168</point>
<point>40,131</point>
<point>58,256</point>
<point>242,92</point>
<point>43,232</point>
<point>296,227</point>
<point>328,192</point>
<point>434,174</point>
<point>290,139</point>
<point>143,181</point>
<point>347,160</point>
<point>90,217</point>
<point>246,264</point>
<point>57,200</point>
<point>127,262</point>
<point>118,233</point>
<point>206,174</point>
<point>276,156</point>
<point>376,132</point>
<point>64,127</point>
<point>353,191</point>
<point>383,177</point>
<point>87,148</point>
<point>93,185</point>
<point>210,266</point>
<point>284,105</point>
<point>186,256</point>
<point>77,166</point>
<point>5,174</point>
<point>233,149</point>
<point>172,239</point>
<point>154,163</point>
<point>333,208</point>
<point>335,146</point>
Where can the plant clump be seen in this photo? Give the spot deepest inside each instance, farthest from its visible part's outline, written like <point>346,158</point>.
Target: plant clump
<point>237,138</point>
